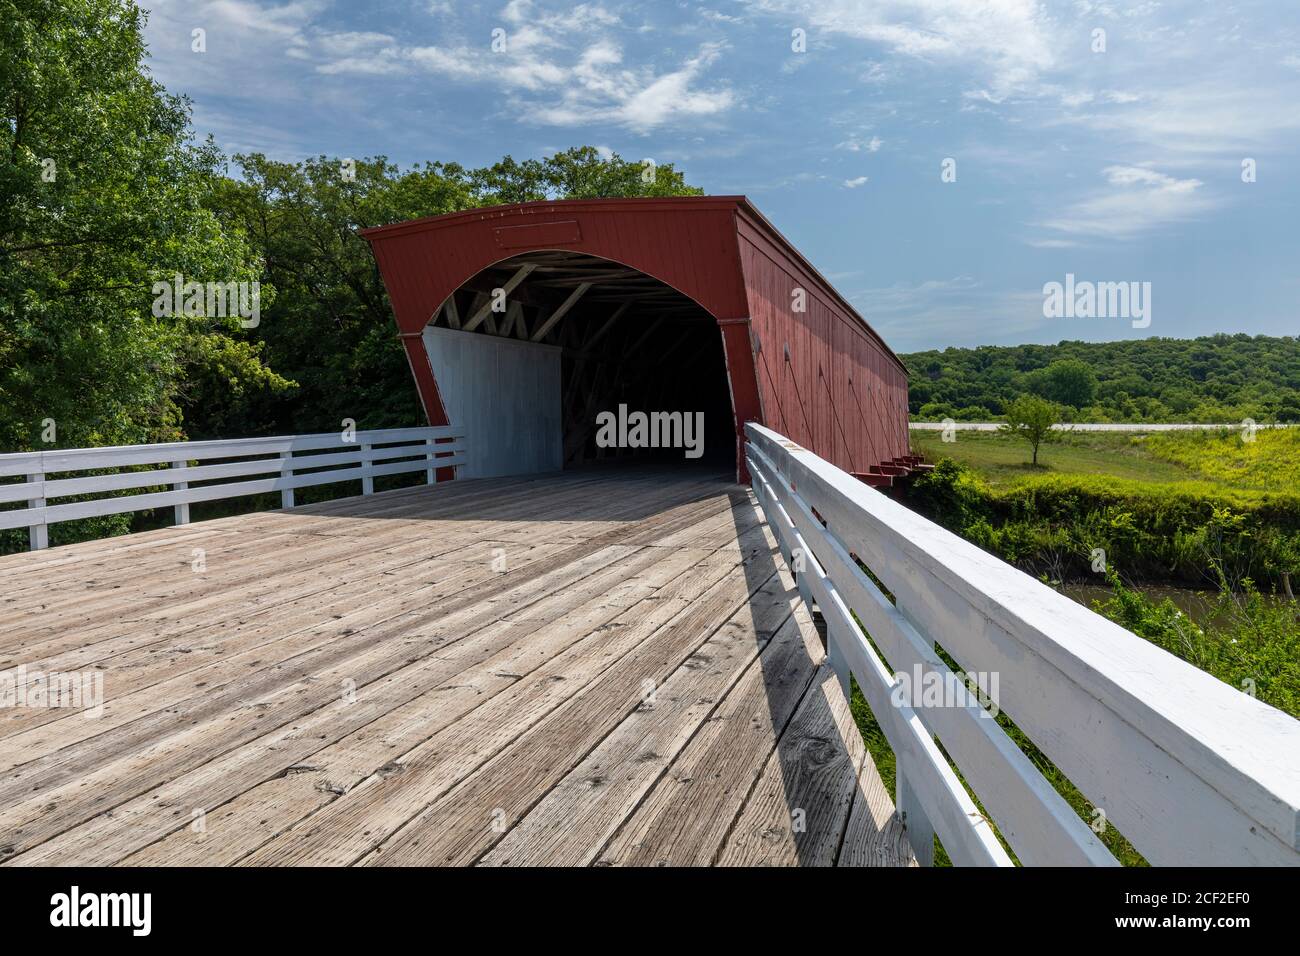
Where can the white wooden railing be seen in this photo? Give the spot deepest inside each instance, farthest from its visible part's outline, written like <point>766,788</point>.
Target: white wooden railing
<point>1187,768</point>
<point>369,455</point>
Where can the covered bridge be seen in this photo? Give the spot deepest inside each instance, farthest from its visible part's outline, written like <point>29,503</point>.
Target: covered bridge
<point>523,322</point>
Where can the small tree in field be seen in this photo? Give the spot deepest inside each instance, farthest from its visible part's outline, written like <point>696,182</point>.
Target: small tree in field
<point>1032,419</point>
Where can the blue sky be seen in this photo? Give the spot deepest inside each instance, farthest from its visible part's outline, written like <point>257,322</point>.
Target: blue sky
<point>1122,164</point>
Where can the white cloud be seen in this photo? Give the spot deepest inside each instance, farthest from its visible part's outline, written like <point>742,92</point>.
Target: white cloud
<point>1189,85</point>
<point>855,183</point>
<point>716,16</point>
<point>856,145</point>
<point>1139,176</point>
<point>345,44</point>
<point>584,16</point>
<point>1051,243</point>
<point>874,73</point>
<point>284,20</point>
<point>1200,118</point>
<point>1139,200</point>
<point>955,311</point>
<point>1007,41</point>
<point>558,68</point>
<point>639,99</point>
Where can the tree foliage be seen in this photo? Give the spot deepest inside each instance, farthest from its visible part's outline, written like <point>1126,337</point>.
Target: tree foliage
<point>579,173</point>
<point>102,193</point>
<point>1218,378</point>
<point>1032,418</point>
<point>1070,382</point>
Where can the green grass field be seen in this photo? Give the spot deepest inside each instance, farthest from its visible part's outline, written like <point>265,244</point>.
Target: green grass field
<point>1269,463</point>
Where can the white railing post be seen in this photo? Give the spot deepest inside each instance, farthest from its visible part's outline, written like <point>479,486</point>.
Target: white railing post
<point>367,479</point>
<point>182,509</point>
<point>920,831</point>
<point>839,664</point>
<point>429,475</point>
<point>38,534</point>
<point>286,471</point>
<point>798,574</point>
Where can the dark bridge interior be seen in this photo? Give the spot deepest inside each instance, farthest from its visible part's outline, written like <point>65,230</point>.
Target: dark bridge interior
<point>627,337</point>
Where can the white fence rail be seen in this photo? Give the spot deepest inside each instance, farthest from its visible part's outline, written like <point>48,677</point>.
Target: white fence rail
<point>282,464</point>
<point>1187,768</point>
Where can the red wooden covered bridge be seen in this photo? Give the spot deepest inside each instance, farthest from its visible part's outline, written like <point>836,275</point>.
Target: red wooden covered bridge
<point>637,662</point>
<point>688,303</point>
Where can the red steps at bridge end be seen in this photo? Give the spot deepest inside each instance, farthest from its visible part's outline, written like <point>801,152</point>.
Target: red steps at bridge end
<point>874,480</point>
<point>886,473</point>
<point>886,468</point>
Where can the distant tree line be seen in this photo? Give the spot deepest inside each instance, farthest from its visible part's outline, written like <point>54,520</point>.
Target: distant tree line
<point>1217,378</point>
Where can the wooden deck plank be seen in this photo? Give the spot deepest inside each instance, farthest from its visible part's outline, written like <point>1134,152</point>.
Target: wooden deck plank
<point>233,713</point>
<point>447,685</point>
<point>571,824</point>
<point>315,579</point>
<point>874,836</point>
<point>322,589</point>
<point>685,819</point>
<point>283,690</point>
<point>106,599</point>
<point>469,690</point>
<point>458,828</point>
<point>167,683</point>
<point>798,812</point>
<point>345,831</point>
<point>345,609</point>
<point>389,744</point>
<point>532,501</point>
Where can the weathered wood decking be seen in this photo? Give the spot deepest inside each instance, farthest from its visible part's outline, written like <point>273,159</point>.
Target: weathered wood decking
<point>605,667</point>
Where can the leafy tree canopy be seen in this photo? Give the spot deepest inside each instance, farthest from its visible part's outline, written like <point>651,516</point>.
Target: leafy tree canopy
<point>1218,378</point>
<point>101,194</point>
<point>1031,418</point>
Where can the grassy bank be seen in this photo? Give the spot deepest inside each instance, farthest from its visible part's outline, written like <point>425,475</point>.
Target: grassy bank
<point>1207,510</point>
<point>1175,508</point>
<point>1267,460</point>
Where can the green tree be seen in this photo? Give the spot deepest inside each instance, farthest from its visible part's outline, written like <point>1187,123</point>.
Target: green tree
<point>1071,382</point>
<point>102,193</point>
<point>330,328</point>
<point>1032,418</point>
<point>577,173</point>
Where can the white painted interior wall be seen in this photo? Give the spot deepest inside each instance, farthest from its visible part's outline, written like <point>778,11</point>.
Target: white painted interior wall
<point>506,394</point>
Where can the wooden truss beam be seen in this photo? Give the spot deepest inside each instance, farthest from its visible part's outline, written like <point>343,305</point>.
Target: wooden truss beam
<point>486,310</point>
<point>559,313</point>
<point>453,314</point>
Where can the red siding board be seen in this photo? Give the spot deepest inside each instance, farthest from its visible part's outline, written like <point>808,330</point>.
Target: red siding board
<point>842,393</point>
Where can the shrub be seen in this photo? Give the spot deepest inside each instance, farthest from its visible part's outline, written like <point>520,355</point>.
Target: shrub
<point>1186,532</point>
